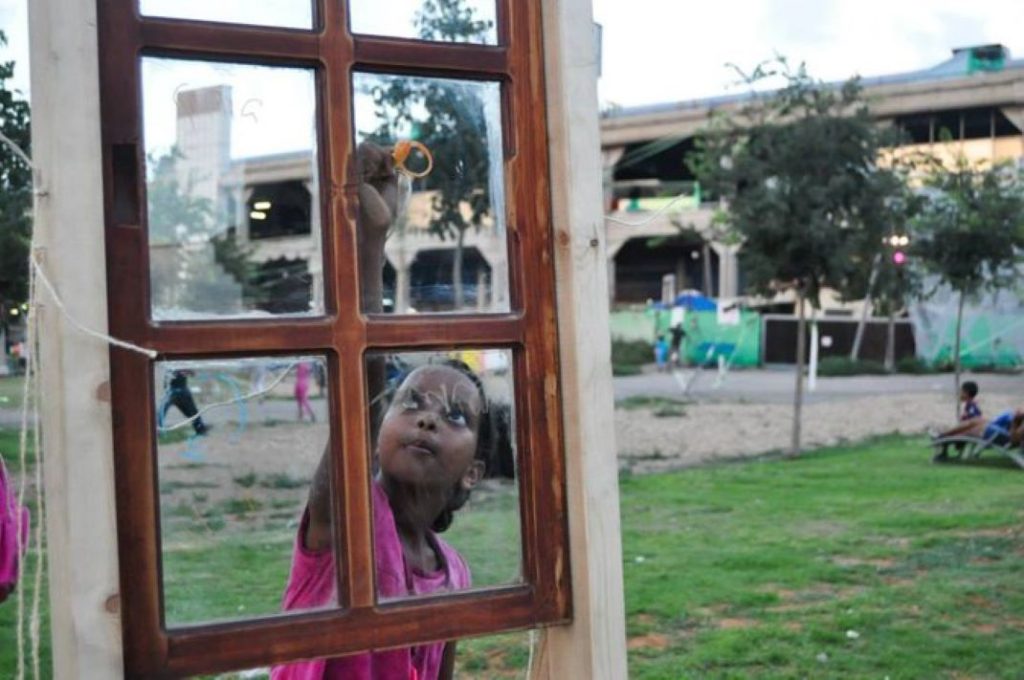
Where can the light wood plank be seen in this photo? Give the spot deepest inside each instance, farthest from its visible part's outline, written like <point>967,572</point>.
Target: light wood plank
<point>594,646</point>
<point>82,542</point>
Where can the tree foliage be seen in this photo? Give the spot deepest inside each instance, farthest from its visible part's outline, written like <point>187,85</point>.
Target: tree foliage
<point>970,232</point>
<point>798,169</point>
<point>201,249</point>
<point>15,193</point>
<point>449,118</point>
<point>971,227</point>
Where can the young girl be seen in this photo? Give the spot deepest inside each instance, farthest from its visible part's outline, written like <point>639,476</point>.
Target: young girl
<point>431,445</point>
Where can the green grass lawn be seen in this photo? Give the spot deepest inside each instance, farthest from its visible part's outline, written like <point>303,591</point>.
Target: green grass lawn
<point>10,392</point>
<point>855,562</point>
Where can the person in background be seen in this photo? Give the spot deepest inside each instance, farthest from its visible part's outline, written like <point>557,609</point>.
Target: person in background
<point>676,344</point>
<point>180,396</point>
<point>302,378</point>
<point>661,353</point>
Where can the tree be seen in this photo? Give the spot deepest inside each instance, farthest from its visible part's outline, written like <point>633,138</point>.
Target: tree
<point>894,279</point>
<point>970,231</point>
<point>15,197</point>
<point>454,128</point>
<point>199,251</point>
<point>798,170</point>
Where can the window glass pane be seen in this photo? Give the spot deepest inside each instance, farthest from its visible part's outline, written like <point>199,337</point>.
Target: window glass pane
<point>471,21</point>
<point>445,465</point>
<point>446,249</point>
<point>238,443</point>
<point>232,188</point>
<point>276,13</point>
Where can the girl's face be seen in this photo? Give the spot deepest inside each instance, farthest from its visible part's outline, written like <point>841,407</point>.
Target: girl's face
<point>429,434</point>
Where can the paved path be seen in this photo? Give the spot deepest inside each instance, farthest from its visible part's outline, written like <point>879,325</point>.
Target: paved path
<point>776,386</point>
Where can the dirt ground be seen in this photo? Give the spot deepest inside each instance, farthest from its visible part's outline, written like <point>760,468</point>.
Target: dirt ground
<point>668,436</point>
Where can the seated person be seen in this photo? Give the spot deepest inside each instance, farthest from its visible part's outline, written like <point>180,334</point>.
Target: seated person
<point>1005,428</point>
<point>970,417</point>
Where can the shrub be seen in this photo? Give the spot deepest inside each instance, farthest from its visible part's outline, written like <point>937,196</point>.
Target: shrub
<point>915,366</point>
<point>631,352</point>
<point>625,369</point>
<point>844,366</point>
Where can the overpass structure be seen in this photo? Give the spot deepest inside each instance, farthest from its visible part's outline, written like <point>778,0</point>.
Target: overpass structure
<point>977,96</point>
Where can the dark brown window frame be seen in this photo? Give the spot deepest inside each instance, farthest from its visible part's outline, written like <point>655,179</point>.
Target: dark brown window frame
<point>530,330</point>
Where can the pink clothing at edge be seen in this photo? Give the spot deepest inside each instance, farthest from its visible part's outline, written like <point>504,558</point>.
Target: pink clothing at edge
<point>312,584</point>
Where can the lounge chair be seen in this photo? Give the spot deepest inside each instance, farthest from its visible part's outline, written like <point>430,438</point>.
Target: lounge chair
<point>967,447</point>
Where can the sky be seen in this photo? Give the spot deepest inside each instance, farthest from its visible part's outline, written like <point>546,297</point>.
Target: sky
<point>671,50</point>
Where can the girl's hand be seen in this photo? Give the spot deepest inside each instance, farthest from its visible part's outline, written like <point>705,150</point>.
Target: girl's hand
<point>378,193</point>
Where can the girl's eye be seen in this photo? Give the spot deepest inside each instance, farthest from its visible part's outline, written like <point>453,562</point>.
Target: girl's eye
<point>411,402</point>
<point>457,417</point>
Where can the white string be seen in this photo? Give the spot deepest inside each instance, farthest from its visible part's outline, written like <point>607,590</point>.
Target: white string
<point>30,393</point>
<point>647,220</point>
<point>28,399</point>
<point>529,660</point>
<point>230,402</point>
<point>77,324</point>
<point>35,618</point>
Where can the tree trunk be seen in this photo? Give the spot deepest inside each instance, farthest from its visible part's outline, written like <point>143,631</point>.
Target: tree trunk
<point>956,359</point>
<point>801,353</point>
<point>858,339</point>
<point>708,289</point>
<point>890,342</point>
<point>457,270</point>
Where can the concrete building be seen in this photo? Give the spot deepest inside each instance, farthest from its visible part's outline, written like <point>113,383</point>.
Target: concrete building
<point>977,96</point>
<point>269,206</point>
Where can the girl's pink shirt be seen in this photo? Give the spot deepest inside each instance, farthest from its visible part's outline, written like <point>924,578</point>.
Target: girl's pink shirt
<point>312,585</point>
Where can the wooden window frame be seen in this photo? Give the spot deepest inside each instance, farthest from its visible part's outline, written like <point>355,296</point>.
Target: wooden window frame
<point>529,330</point>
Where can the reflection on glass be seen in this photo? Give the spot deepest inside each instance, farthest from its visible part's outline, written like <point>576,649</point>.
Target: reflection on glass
<point>445,471</point>
<point>237,443</point>
<point>232,188</point>
<point>447,250</point>
<point>275,13</point>
<point>468,21</point>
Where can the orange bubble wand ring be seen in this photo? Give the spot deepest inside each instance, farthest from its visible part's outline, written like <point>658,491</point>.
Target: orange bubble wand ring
<point>400,154</point>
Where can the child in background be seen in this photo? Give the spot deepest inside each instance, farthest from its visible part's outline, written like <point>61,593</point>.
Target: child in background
<point>661,353</point>
<point>971,421</point>
<point>968,394</point>
<point>303,373</point>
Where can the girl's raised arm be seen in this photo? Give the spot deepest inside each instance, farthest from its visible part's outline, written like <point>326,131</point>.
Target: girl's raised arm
<point>378,201</point>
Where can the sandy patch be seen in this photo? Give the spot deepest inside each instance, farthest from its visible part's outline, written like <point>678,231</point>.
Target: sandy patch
<point>736,624</point>
<point>845,561</point>
<point>716,431</point>
<point>649,641</point>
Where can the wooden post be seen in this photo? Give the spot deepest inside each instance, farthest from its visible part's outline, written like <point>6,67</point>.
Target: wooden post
<point>957,365</point>
<point>865,309</point>
<point>801,353</point>
<point>594,646</point>
<point>76,419</point>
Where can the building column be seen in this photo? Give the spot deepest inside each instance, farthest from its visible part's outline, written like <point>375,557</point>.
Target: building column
<point>315,263</point>
<point>609,159</point>
<point>728,270</point>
